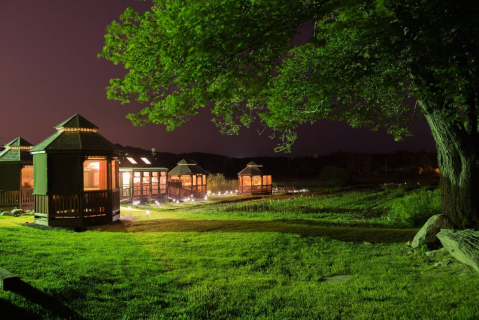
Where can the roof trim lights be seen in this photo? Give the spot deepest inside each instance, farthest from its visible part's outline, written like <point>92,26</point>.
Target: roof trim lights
<point>77,130</point>
<point>131,160</point>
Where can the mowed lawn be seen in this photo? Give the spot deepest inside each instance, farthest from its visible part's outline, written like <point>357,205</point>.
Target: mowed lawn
<point>210,262</point>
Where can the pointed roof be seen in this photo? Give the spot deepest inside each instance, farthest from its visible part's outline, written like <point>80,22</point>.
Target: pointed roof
<point>75,140</point>
<point>19,142</point>
<point>187,167</point>
<point>76,121</point>
<point>12,153</point>
<point>251,170</point>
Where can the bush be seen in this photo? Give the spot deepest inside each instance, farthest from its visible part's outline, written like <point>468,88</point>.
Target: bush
<point>415,208</point>
<point>218,183</point>
<point>334,177</point>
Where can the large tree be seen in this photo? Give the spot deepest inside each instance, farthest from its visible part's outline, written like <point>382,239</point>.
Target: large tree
<point>362,62</point>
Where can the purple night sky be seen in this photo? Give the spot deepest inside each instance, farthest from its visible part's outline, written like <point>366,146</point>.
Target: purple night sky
<point>49,71</point>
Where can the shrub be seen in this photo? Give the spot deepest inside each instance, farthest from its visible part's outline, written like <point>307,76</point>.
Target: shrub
<point>218,183</point>
<point>334,177</point>
<point>415,208</point>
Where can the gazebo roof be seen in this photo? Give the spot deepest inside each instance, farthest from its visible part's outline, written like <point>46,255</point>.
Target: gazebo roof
<point>76,121</point>
<point>16,150</point>
<point>251,170</point>
<point>72,136</point>
<point>187,167</point>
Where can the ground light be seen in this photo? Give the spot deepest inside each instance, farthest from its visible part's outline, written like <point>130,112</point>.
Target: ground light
<point>129,209</point>
<point>147,213</point>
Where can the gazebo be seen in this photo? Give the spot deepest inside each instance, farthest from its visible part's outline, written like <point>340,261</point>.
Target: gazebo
<point>187,179</point>
<point>252,181</point>
<point>76,174</point>
<point>16,174</point>
<point>141,178</point>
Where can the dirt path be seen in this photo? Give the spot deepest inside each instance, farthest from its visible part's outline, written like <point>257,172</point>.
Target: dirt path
<point>340,233</point>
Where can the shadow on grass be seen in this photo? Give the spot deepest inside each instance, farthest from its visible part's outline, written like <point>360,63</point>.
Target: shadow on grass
<point>338,233</point>
<point>11,311</point>
<point>54,306</point>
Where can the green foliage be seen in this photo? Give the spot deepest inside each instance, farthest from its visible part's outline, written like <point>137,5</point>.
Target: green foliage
<point>218,183</point>
<point>363,60</point>
<point>415,208</point>
<point>334,177</point>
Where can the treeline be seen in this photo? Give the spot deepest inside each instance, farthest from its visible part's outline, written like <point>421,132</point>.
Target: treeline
<point>401,163</point>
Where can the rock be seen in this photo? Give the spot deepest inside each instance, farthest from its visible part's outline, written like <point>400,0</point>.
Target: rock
<point>428,232</point>
<point>435,253</point>
<point>337,279</point>
<point>445,263</point>
<point>462,245</point>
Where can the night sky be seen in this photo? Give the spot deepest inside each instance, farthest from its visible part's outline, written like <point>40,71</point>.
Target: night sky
<point>49,71</point>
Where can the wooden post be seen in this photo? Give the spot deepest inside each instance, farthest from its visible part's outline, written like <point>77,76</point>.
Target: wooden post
<point>8,280</point>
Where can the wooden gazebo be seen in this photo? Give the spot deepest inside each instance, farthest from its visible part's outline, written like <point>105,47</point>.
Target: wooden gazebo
<point>16,174</point>
<point>76,174</point>
<point>187,179</point>
<point>142,178</point>
<point>252,181</point>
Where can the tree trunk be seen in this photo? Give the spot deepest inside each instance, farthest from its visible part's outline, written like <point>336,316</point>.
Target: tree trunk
<point>457,154</point>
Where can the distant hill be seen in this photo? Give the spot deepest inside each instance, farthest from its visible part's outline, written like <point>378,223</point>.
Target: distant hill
<point>401,163</point>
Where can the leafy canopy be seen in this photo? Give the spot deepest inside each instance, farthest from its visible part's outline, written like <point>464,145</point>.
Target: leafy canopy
<point>363,60</point>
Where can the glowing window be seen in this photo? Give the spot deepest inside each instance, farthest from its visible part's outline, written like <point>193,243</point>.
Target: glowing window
<point>145,160</point>
<point>126,179</point>
<point>95,175</point>
<point>132,160</point>
<point>27,177</point>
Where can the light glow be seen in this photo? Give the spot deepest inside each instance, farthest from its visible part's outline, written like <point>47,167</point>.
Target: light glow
<point>145,160</point>
<point>131,160</point>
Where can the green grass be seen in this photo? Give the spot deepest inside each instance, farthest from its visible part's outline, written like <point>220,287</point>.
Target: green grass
<point>186,262</point>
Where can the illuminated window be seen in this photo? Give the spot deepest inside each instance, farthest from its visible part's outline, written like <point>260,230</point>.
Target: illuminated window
<point>132,160</point>
<point>246,181</point>
<point>115,173</point>
<point>126,179</point>
<point>186,180</point>
<point>256,180</point>
<point>95,175</point>
<point>145,160</point>
<point>27,177</point>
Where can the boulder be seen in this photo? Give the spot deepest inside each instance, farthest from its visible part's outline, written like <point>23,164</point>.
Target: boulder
<point>428,232</point>
<point>17,212</point>
<point>435,253</point>
<point>462,245</point>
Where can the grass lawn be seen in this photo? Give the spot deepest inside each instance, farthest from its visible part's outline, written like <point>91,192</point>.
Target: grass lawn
<point>247,260</point>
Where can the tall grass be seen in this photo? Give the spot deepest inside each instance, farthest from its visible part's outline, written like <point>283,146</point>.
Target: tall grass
<point>218,183</point>
<point>413,209</point>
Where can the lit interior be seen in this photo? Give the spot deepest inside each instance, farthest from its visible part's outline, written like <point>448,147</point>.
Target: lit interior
<point>27,177</point>
<point>126,179</point>
<point>95,175</point>
<point>145,160</point>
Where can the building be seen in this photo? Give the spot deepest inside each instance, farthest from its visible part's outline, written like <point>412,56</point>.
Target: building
<point>142,178</point>
<point>252,181</point>
<point>16,174</point>
<point>187,179</point>
<point>76,173</point>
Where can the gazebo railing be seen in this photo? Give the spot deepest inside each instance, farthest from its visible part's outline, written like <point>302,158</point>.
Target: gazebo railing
<point>87,205</point>
<point>10,197</point>
<point>255,189</point>
<point>16,197</point>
